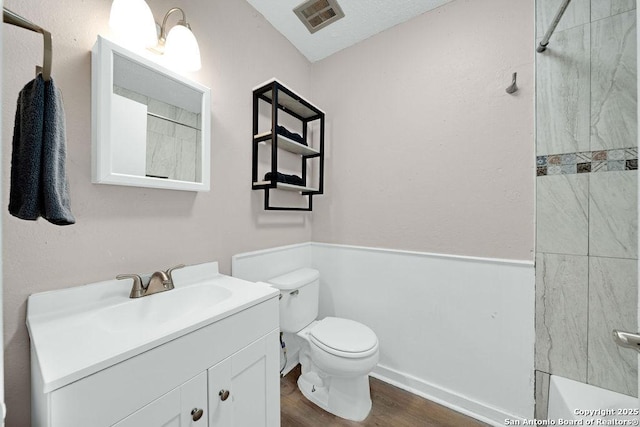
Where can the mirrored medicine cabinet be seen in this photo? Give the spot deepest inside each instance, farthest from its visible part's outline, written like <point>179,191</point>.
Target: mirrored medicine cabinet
<point>150,125</point>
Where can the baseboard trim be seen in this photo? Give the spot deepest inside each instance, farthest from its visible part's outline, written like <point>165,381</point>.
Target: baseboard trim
<point>464,405</point>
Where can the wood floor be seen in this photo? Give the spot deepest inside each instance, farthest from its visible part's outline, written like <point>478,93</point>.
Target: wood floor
<point>392,407</point>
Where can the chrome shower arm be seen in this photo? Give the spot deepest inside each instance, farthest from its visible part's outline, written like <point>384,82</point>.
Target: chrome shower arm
<point>556,20</point>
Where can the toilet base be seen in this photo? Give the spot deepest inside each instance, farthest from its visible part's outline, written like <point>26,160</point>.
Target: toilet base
<point>347,398</point>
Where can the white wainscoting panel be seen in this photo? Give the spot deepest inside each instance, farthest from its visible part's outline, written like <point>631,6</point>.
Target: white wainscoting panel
<point>456,330</point>
<point>268,263</point>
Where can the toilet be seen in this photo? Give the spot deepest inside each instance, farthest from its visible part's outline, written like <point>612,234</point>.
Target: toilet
<point>336,354</point>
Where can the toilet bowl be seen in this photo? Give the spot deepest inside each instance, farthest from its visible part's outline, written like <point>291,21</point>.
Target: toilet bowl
<point>336,355</point>
<point>342,347</point>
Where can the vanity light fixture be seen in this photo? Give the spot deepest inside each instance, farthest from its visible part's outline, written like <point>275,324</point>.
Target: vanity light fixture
<point>179,45</point>
<point>132,22</point>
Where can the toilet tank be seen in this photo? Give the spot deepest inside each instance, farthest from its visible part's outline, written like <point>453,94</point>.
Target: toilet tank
<point>299,302</point>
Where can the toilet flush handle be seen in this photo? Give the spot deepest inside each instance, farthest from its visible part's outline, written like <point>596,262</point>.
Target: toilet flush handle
<point>294,293</point>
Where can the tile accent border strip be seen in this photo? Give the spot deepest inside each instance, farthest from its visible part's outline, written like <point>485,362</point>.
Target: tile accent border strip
<point>587,162</point>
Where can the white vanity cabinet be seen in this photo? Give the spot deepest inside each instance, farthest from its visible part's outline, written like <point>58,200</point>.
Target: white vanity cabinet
<point>180,407</point>
<point>237,384</point>
<point>235,388</point>
<point>169,375</point>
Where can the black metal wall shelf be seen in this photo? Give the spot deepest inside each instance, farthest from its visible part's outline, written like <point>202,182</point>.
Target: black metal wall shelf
<point>283,100</point>
<point>288,144</point>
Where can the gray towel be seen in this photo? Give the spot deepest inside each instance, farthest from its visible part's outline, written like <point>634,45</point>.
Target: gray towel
<point>24,198</point>
<point>38,180</point>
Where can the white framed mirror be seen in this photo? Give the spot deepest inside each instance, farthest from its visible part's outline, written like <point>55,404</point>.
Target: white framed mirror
<point>151,127</point>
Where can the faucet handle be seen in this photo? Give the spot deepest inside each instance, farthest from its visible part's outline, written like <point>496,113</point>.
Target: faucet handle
<point>137,290</point>
<point>169,271</point>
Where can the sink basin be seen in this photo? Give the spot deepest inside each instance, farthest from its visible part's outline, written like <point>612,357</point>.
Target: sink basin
<point>78,331</point>
<point>160,310</point>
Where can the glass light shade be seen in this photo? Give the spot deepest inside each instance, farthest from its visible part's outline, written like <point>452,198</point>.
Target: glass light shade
<point>132,22</point>
<point>181,49</point>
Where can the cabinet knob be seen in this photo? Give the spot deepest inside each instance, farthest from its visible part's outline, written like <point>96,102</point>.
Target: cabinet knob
<point>224,395</point>
<point>196,414</point>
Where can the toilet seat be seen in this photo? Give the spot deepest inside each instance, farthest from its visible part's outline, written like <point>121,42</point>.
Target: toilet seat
<point>344,338</point>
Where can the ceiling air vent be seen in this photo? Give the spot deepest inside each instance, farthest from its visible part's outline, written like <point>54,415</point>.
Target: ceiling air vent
<point>317,14</point>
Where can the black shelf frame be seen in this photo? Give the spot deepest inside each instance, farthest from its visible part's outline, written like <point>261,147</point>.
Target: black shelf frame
<point>284,100</point>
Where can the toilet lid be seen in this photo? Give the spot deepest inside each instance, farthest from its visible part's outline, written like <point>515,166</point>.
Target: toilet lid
<point>343,335</point>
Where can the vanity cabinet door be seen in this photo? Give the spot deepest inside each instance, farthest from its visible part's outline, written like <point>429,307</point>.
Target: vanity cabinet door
<point>193,402</point>
<point>244,389</point>
<point>175,408</point>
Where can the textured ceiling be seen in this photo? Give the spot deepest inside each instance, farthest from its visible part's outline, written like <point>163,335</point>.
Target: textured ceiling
<point>363,18</point>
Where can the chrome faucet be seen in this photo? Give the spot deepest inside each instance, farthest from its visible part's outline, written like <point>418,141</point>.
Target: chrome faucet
<point>160,281</point>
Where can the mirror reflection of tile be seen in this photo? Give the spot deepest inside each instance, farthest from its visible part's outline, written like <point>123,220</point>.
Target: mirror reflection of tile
<point>173,133</point>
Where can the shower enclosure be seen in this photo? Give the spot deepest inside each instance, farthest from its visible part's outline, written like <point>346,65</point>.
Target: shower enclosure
<point>586,195</point>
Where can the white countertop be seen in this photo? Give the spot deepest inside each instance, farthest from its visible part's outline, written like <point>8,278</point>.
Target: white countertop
<point>78,331</point>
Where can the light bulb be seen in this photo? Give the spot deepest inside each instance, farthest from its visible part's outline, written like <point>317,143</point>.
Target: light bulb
<point>181,49</point>
<point>132,22</point>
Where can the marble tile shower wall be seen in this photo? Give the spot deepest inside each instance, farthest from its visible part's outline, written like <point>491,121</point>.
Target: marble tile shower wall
<point>587,160</point>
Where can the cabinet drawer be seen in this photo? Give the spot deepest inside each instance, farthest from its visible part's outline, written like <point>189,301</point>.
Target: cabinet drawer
<point>108,396</point>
